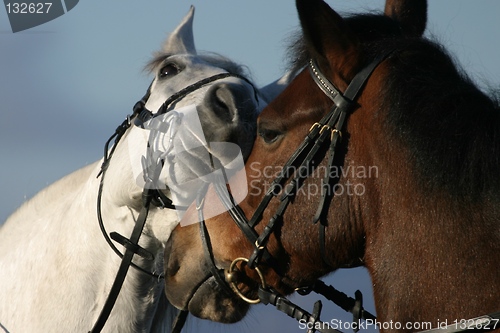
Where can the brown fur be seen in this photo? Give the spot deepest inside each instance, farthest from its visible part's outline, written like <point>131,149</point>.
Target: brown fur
<point>431,248</point>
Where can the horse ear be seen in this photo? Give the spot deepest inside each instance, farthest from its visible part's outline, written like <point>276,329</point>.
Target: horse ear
<point>411,15</point>
<point>181,40</point>
<point>328,38</point>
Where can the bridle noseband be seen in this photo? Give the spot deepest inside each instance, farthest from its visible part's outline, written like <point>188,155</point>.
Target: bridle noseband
<point>151,195</point>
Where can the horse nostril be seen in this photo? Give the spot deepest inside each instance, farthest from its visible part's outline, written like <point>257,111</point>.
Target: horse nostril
<point>224,101</point>
<point>229,101</point>
<point>224,104</point>
<point>228,113</point>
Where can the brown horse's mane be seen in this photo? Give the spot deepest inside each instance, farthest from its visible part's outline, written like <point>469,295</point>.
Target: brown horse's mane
<point>450,126</point>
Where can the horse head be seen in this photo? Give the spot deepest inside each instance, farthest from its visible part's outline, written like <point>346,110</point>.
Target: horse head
<point>196,104</point>
<point>340,48</point>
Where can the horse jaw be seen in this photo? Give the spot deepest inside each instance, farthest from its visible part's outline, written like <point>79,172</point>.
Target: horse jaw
<point>181,40</point>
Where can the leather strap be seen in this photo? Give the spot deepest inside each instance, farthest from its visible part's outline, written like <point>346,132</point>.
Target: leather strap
<point>179,321</point>
<point>150,196</point>
<point>207,246</point>
<point>345,302</point>
<point>124,265</point>
<point>284,305</point>
<point>120,130</point>
<point>145,114</point>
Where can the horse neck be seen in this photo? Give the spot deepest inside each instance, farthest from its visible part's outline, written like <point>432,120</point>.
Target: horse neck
<point>431,255</point>
<point>52,247</point>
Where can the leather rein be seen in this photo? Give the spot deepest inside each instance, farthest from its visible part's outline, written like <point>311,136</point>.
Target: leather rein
<point>151,195</point>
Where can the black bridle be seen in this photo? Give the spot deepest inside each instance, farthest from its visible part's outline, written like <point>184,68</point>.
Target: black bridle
<point>299,165</point>
<point>328,129</point>
<point>296,170</point>
<point>151,195</point>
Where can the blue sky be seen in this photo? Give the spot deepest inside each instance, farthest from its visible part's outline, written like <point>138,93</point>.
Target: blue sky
<point>65,85</point>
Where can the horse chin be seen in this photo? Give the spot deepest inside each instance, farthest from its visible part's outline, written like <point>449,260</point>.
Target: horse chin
<point>189,284</point>
<point>209,302</point>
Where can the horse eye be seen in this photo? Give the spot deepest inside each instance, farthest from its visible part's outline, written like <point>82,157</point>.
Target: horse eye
<point>168,70</point>
<point>269,135</point>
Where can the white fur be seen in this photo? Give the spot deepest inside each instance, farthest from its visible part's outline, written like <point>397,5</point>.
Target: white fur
<point>55,267</point>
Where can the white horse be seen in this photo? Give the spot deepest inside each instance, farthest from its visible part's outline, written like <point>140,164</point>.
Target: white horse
<point>56,268</point>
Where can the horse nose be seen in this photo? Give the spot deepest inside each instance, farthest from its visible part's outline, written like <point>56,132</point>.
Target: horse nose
<point>230,102</point>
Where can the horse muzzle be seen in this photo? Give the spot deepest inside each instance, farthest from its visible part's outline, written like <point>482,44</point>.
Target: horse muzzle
<point>189,283</point>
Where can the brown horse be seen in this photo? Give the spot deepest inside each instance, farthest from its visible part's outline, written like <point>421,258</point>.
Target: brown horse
<point>413,191</point>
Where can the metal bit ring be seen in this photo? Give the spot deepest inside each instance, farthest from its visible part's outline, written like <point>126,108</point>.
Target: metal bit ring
<point>231,279</point>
